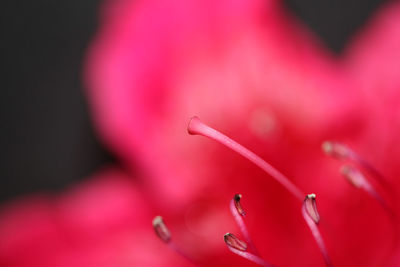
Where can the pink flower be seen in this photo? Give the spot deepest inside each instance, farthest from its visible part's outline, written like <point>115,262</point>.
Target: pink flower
<point>251,70</point>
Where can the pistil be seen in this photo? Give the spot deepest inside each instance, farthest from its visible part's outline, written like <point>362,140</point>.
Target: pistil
<point>196,127</point>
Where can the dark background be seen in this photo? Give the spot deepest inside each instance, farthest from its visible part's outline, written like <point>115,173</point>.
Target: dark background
<point>47,141</point>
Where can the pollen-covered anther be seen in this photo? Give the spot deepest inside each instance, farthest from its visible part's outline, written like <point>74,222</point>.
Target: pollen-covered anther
<point>352,175</point>
<point>234,242</point>
<point>238,206</point>
<point>161,229</point>
<point>310,206</point>
<point>336,150</point>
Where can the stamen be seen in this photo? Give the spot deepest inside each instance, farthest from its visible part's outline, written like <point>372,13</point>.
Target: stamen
<point>336,150</point>
<point>373,172</point>
<point>164,234</point>
<point>236,200</point>
<point>161,229</point>
<point>343,152</point>
<point>239,247</point>
<point>234,242</point>
<point>352,175</point>
<point>311,207</point>
<point>311,216</point>
<point>356,178</point>
<point>238,214</point>
<point>197,127</point>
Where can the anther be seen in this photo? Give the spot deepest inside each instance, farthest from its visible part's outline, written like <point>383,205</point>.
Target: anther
<point>161,229</point>
<point>163,233</point>
<point>336,150</point>
<point>311,207</point>
<point>238,214</point>
<point>342,152</point>
<point>354,176</point>
<point>239,247</point>
<point>238,206</point>
<point>234,242</point>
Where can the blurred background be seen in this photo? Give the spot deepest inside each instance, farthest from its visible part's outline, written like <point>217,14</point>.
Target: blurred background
<point>47,139</point>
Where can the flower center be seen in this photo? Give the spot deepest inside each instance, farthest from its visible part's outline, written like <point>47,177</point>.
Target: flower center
<point>246,248</point>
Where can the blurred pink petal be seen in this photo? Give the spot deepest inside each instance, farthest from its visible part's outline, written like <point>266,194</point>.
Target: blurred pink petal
<point>102,222</point>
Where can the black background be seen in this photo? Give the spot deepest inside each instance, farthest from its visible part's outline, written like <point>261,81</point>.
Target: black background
<point>47,141</point>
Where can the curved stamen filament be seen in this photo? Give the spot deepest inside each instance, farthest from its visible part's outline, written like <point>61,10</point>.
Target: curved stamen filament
<point>239,247</point>
<point>343,152</point>
<point>356,178</point>
<point>359,180</point>
<point>238,214</point>
<point>310,215</point>
<point>164,234</point>
<point>197,127</point>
